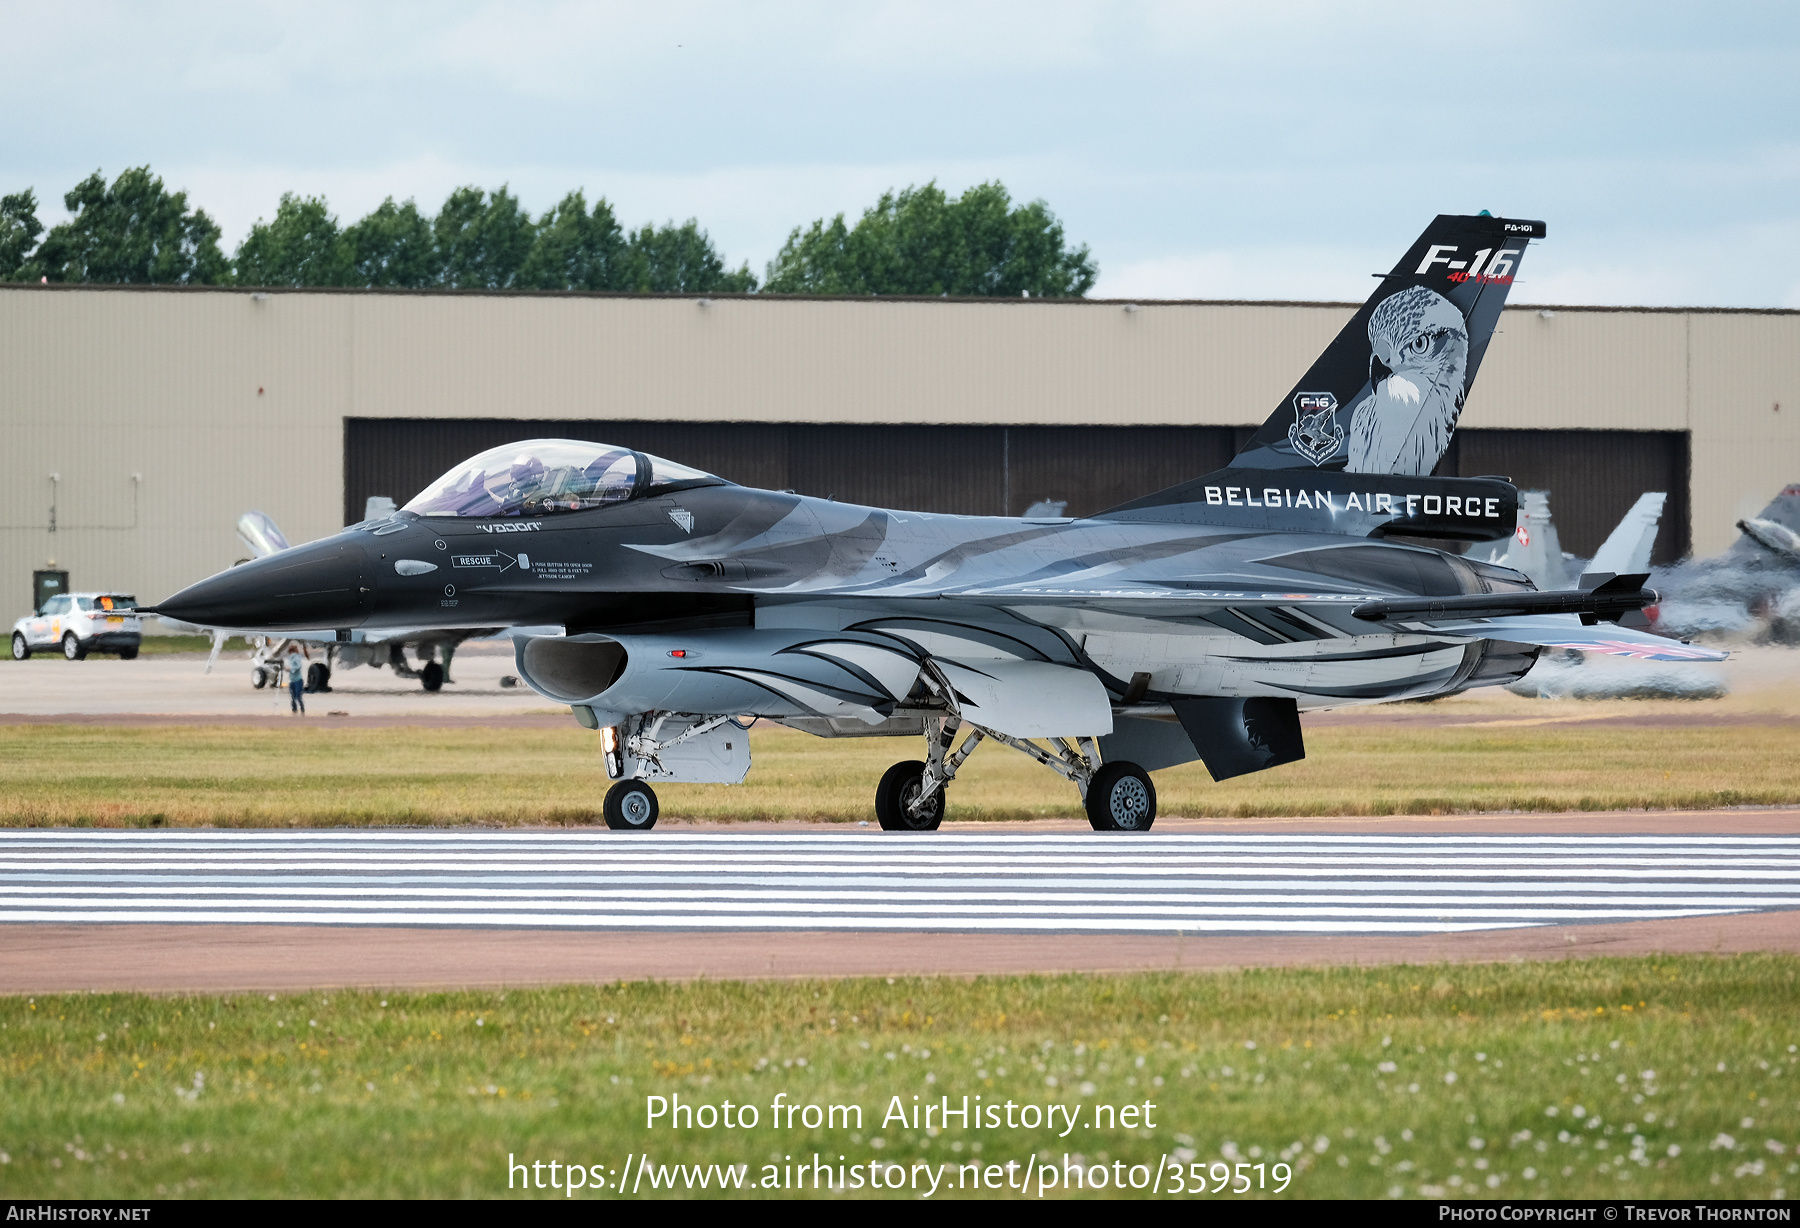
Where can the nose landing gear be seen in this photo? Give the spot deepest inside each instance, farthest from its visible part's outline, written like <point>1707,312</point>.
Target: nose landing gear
<point>630,805</point>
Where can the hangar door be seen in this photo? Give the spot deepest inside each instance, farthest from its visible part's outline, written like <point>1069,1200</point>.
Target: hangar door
<point>1593,476</point>
<point>973,470</point>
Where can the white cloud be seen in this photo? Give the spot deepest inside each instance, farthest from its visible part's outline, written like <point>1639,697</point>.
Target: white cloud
<point>1333,274</point>
<point>1199,149</point>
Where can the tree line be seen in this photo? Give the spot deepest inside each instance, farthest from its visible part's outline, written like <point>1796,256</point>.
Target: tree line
<point>918,240</point>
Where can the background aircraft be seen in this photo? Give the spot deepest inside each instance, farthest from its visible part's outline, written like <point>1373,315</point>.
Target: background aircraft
<point>1535,548</point>
<point>1753,589</point>
<point>1196,623</point>
<point>1562,673</point>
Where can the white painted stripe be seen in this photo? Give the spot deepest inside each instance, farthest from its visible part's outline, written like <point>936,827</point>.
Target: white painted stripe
<point>763,839</point>
<point>303,908</point>
<point>1057,883</point>
<point>477,895</point>
<point>1250,872</point>
<point>679,921</point>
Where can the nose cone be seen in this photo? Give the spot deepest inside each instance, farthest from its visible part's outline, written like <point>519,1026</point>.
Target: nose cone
<point>317,587</point>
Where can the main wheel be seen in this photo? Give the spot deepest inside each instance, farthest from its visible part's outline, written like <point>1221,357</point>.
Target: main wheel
<point>318,678</point>
<point>128,654</point>
<point>630,806</point>
<point>899,786</point>
<point>259,677</point>
<point>1121,798</point>
<point>21,649</point>
<point>432,676</point>
<point>72,648</point>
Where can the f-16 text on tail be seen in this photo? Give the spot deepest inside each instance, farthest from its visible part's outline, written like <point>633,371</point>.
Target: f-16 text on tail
<point>1193,624</point>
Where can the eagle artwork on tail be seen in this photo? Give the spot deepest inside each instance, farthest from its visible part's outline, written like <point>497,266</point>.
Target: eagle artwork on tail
<point>1420,350</point>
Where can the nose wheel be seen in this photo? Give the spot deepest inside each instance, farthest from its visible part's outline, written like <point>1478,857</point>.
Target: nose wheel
<point>896,795</point>
<point>630,806</point>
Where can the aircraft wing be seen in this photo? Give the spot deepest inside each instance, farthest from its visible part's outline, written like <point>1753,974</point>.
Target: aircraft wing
<point>1274,617</point>
<point>1154,596</point>
<point>1567,631</point>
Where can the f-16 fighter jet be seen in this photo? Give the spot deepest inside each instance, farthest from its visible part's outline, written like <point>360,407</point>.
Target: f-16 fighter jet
<point>1197,623</point>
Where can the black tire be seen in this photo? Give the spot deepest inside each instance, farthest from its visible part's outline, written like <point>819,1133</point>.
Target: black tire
<point>432,676</point>
<point>73,648</point>
<point>318,678</point>
<point>900,785</point>
<point>259,677</point>
<point>630,806</point>
<point>21,649</point>
<point>128,654</point>
<point>1121,797</point>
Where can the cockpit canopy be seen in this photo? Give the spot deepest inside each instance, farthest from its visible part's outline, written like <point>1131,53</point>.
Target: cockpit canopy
<point>539,477</point>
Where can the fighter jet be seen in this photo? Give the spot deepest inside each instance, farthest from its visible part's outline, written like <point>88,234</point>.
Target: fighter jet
<point>1536,549</point>
<point>1753,589</point>
<point>1196,623</point>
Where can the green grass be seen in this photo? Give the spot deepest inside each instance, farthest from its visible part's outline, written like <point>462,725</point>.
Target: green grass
<point>1656,1077</point>
<point>315,775</point>
<point>151,646</point>
<point>159,645</point>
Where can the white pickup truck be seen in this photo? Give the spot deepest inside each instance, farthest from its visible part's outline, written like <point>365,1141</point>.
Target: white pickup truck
<point>80,623</point>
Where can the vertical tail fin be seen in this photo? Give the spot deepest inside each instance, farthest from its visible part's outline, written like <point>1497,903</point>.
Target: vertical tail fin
<point>1535,547</point>
<point>1385,395</point>
<point>259,533</point>
<point>1627,548</point>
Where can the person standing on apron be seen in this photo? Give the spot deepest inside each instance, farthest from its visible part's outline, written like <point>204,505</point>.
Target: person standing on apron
<point>296,670</point>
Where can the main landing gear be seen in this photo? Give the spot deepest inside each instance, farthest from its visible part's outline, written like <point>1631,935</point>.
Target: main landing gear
<point>897,800</point>
<point>1118,796</point>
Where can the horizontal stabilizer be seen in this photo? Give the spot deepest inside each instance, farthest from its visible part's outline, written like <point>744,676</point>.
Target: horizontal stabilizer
<point>1609,599</point>
<point>1776,538</point>
<point>1776,528</point>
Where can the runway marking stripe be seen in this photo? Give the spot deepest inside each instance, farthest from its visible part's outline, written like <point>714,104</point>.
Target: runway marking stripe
<point>1249,873</point>
<point>759,880</point>
<point>305,908</point>
<point>1070,884</point>
<point>227,896</point>
<point>772,921</point>
<point>764,839</point>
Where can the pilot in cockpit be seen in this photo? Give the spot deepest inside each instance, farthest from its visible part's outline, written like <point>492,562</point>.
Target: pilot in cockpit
<point>519,486</point>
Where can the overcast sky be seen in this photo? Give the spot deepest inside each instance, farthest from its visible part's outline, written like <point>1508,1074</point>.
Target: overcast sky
<point>1235,150</point>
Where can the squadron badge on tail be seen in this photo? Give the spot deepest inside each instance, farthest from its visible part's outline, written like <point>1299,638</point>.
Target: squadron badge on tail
<point>1316,434</point>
